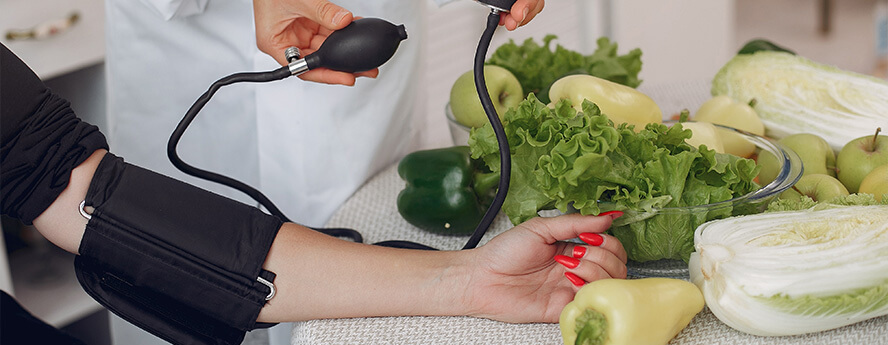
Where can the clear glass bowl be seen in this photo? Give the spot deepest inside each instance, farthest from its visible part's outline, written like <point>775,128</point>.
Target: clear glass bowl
<point>691,217</point>
<point>458,132</point>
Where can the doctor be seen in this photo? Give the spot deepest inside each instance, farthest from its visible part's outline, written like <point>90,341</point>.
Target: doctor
<point>307,146</point>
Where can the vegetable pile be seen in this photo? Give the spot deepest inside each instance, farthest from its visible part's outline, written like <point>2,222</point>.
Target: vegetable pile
<point>563,159</point>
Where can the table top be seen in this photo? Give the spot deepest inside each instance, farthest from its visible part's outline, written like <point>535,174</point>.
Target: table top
<point>372,210</point>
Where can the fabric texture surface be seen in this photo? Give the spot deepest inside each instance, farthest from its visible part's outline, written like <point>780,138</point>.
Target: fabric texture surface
<point>373,212</point>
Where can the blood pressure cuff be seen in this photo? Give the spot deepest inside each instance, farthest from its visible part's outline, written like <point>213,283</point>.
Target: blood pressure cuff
<point>173,259</point>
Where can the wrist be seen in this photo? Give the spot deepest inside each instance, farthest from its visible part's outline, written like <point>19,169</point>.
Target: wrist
<point>455,285</point>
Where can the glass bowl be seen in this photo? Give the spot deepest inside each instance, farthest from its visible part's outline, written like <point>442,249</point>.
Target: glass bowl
<point>690,217</point>
<point>458,132</point>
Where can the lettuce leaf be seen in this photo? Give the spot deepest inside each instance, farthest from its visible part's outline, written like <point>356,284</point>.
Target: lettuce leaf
<point>538,66</point>
<point>579,161</point>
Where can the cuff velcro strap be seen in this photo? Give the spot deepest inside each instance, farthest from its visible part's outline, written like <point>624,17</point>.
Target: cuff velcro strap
<point>174,259</point>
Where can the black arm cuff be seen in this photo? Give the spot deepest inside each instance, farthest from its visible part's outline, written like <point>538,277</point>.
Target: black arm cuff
<point>174,259</point>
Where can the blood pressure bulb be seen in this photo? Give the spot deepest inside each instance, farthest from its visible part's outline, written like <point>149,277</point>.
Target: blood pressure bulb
<point>365,44</point>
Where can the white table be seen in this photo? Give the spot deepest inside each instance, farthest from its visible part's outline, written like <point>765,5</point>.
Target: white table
<point>372,210</point>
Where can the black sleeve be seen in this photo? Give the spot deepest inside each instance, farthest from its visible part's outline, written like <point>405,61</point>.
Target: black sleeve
<point>21,327</point>
<point>42,141</point>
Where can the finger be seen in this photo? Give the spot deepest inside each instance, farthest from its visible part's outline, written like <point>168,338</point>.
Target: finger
<point>538,7</point>
<point>584,274</point>
<point>274,35</point>
<point>595,257</point>
<point>568,226</point>
<point>373,73</point>
<point>606,242</point>
<point>328,76</point>
<point>610,262</point>
<point>522,12</point>
<point>329,15</point>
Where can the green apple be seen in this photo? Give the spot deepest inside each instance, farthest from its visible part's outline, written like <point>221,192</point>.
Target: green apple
<point>504,89</point>
<point>621,104</point>
<point>704,133</point>
<point>820,187</point>
<point>859,157</point>
<point>876,182</point>
<point>724,110</point>
<point>770,167</point>
<point>816,155</point>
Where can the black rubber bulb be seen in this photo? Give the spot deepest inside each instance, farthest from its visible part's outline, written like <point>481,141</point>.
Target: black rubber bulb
<point>502,5</point>
<point>363,45</point>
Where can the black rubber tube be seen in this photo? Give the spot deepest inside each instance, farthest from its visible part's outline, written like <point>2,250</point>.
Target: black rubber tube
<point>191,114</point>
<point>505,153</point>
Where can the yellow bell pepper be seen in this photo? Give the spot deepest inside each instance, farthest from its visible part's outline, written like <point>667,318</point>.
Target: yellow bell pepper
<point>725,111</point>
<point>647,311</point>
<point>621,104</point>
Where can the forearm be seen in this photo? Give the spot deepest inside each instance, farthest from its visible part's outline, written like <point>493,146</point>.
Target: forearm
<point>62,223</point>
<point>319,276</point>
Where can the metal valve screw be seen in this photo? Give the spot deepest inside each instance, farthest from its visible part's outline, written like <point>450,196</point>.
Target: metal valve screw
<point>292,54</point>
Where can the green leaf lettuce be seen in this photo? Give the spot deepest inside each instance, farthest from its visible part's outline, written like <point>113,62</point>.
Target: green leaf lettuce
<point>579,161</point>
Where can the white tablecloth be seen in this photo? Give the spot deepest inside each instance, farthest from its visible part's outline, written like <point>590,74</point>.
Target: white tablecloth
<point>373,212</point>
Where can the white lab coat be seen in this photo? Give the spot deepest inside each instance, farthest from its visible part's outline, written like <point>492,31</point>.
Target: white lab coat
<point>307,146</point>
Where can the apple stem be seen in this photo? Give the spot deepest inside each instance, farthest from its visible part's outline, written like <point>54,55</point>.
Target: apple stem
<point>797,190</point>
<point>875,136</point>
<point>684,116</point>
<point>752,103</point>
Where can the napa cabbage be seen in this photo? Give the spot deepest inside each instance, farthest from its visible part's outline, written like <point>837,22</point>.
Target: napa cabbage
<point>796,95</point>
<point>794,272</point>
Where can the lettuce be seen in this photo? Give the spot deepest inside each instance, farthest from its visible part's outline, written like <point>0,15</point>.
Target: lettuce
<point>538,66</point>
<point>568,160</point>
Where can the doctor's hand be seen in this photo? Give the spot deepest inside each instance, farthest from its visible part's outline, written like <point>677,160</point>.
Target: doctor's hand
<point>521,13</point>
<point>305,24</point>
<point>527,274</point>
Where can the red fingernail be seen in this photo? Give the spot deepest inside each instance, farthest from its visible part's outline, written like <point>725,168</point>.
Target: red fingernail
<point>574,279</point>
<point>567,261</point>
<point>579,252</point>
<point>592,239</point>
<point>613,214</point>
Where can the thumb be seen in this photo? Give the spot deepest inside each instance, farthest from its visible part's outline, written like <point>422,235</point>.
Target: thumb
<point>328,14</point>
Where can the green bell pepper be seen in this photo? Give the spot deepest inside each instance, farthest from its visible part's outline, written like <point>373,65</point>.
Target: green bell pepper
<point>446,192</point>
